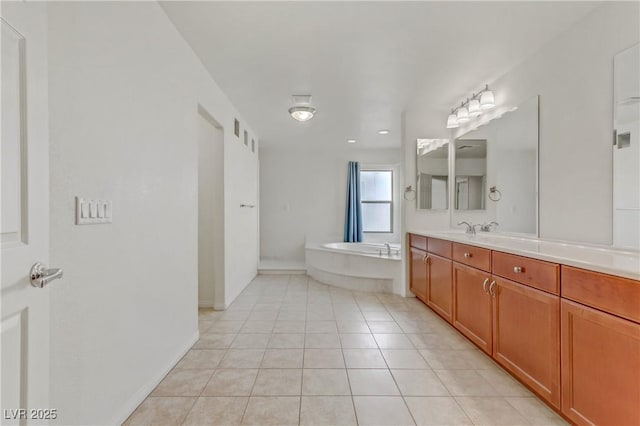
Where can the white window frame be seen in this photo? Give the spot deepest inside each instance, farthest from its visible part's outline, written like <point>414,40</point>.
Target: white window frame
<point>390,202</point>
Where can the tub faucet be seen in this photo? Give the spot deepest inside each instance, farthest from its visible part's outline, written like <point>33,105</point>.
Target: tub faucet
<point>471,229</point>
<point>388,246</point>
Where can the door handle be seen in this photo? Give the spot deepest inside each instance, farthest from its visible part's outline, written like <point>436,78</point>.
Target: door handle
<point>41,275</point>
<point>491,292</point>
<point>484,285</point>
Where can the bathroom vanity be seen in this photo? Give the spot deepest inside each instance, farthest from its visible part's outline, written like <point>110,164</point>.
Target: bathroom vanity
<point>564,319</point>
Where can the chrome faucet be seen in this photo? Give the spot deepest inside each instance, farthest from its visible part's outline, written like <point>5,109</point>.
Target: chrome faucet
<point>487,226</point>
<point>388,246</point>
<point>471,229</point>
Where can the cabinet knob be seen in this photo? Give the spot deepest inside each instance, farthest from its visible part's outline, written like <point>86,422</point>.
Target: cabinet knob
<point>518,269</point>
<point>467,255</point>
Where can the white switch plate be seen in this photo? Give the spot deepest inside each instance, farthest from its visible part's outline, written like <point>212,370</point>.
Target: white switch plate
<point>93,212</point>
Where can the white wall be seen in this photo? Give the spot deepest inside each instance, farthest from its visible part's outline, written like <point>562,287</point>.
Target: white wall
<point>303,194</point>
<point>573,75</point>
<point>124,94</point>
<point>210,212</point>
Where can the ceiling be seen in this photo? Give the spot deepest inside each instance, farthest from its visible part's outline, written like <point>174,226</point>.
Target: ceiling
<point>363,62</point>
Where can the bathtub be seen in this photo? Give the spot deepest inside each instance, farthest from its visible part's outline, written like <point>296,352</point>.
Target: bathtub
<point>356,266</point>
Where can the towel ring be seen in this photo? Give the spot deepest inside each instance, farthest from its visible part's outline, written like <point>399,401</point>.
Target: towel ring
<point>409,190</point>
<point>494,194</point>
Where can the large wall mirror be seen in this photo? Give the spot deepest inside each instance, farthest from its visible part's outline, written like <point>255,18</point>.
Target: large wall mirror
<point>496,172</point>
<point>432,165</point>
<point>626,152</point>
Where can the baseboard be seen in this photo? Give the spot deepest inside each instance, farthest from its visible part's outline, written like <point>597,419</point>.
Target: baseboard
<point>144,391</point>
<point>282,271</point>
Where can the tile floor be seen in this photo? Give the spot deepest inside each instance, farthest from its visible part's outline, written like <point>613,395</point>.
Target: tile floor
<point>292,351</point>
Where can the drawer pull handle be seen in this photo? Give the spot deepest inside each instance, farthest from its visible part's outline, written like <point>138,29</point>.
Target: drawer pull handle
<point>518,269</point>
<point>467,255</point>
<point>484,285</point>
<point>491,292</point>
<point>426,260</point>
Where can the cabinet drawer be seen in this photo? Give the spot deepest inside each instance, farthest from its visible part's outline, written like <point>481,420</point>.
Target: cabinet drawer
<point>616,295</point>
<point>418,241</point>
<point>439,247</point>
<point>473,256</point>
<point>535,273</point>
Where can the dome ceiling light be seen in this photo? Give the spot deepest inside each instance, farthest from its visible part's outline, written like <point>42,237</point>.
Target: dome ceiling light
<point>472,108</point>
<point>302,110</point>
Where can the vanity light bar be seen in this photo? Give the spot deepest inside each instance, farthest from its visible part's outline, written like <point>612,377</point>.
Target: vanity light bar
<point>471,108</point>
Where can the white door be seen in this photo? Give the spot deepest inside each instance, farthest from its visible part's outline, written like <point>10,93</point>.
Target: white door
<point>24,214</point>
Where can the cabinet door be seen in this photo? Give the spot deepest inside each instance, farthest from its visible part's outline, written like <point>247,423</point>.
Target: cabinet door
<point>418,279</point>
<point>526,336</point>
<point>471,305</point>
<point>600,367</point>
<point>439,289</point>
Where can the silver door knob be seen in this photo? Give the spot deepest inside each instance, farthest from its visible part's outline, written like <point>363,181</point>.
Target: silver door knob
<point>41,275</point>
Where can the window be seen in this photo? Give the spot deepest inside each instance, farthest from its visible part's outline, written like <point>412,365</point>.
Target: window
<point>377,200</point>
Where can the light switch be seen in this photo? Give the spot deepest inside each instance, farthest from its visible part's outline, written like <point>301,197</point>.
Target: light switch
<point>93,211</point>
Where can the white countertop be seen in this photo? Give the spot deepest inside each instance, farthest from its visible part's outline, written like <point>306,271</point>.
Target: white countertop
<point>593,257</point>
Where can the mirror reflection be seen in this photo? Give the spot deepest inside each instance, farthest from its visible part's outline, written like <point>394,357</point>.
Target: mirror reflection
<point>496,171</point>
<point>471,174</point>
<point>626,152</point>
<point>433,174</point>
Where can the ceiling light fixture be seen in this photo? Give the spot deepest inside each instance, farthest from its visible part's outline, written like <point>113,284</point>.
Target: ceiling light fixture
<point>472,108</point>
<point>351,141</point>
<point>383,132</point>
<point>302,110</point>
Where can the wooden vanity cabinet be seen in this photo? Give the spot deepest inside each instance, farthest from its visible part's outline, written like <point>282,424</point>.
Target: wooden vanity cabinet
<point>526,336</point>
<point>439,287</point>
<point>600,348</point>
<point>418,273</point>
<point>472,314</point>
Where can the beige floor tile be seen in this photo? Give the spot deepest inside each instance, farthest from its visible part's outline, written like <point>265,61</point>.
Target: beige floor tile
<point>278,382</point>
<point>393,341</point>
<point>263,316</point>
<point>536,412</point>
<point>323,358</point>
<point>235,316</point>
<point>183,382</point>
<point>465,383</point>
<point>289,327</point>
<point>321,327</point>
<point>503,383</point>
<point>161,411</point>
<point>202,358</point>
<point>267,305</point>
<point>446,359</point>
<point>325,382</point>
<point>272,410</point>
<point>428,341</point>
<point>226,327</point>
<point>282,358</point>
<point>372,382</point>
<point>382,410</point>
<point>358,341</point>
<point>214,341</point>
<point>364,358</point>
<point>232,382</point>
<point>404,358</point>
<point>257,327</point>
<point>327,411</point>
<point>432,411</point>
<point>208,314</point>
<point>419,383</point>
<point>251,341</point>
<point>217,411</point>
<point>384,327</point>
<point>353,326</point>
<point>377,315</point>
<point>322,341</point>
<point>292,316</point>
<point>294,307</point>
<point>204,326</point>
<point>491,411</point>
<point>349,316</point>
<point>286,341</point>
<point>242,358</point>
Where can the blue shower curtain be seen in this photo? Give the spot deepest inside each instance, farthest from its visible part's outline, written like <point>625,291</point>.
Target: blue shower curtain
<point>353,214</point>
